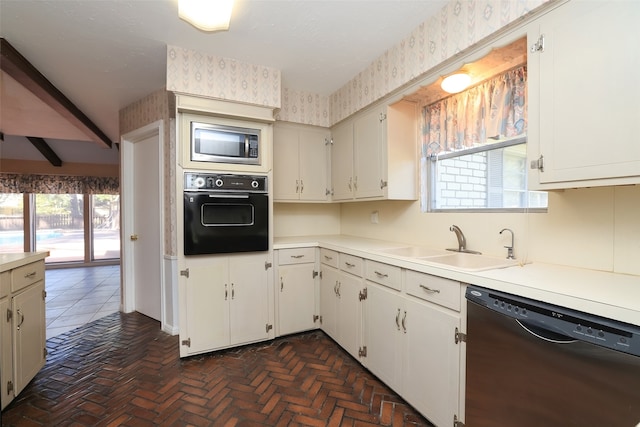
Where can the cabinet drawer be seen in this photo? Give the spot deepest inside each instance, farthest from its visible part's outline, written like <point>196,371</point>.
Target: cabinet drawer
<point>329,257</point>
<point>351,264</point>
<point>385,274</point>
<point>296,256</point>
<point>5,283</point>
<point>26,275</point>
<point>436,289</point>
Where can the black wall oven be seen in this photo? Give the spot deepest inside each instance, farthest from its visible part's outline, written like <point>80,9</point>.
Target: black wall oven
<point>225,213</point>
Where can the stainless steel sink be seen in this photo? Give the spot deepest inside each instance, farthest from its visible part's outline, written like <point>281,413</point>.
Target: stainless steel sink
<point>470,262</point>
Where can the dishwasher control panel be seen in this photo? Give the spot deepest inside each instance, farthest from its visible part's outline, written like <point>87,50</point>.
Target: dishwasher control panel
<point>559,324</point>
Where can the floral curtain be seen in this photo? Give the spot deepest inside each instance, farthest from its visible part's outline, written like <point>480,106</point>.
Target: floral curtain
<point>57,184</point>
<point>492,110</point>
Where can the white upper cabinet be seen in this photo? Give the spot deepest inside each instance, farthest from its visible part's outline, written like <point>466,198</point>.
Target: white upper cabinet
<point>374,154</point>
<point>584,95</point>
<point>300,164</point>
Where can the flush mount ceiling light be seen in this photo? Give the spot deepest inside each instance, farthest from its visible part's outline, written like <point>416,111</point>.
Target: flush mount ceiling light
<point>456,82</point>
<point>206,15</point>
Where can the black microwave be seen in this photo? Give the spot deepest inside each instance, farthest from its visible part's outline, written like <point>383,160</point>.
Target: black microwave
<point>224,144</point>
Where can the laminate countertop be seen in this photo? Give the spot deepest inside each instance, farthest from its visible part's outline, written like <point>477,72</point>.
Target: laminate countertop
<point>9,261</point>
<point>611,295</point>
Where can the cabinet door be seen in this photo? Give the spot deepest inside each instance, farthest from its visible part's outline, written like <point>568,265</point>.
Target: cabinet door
<point>249,295</point>
<point>286,181</point>
<point>431,361</point>
<point>296,298</point>
<point>29,334</point>
<point>368,152</point>
<point>6,355</point>
<point>383,334</point>
<point>313,165</point>
<point>342,161</point>
<point>328,301</point>
<point>588,93</point>
<point>206,295</point>
<point>349,320</point>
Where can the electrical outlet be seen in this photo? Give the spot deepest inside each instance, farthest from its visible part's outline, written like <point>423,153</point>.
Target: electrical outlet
<point>374,217</point>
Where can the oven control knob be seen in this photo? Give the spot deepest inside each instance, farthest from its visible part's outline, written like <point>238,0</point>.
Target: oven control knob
<point>254,184</point>
<point>219,182</point>
<point>199,182</point>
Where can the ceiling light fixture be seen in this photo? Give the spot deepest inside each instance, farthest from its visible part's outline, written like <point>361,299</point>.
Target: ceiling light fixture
<point>206,15</point>
<point>456,82</point>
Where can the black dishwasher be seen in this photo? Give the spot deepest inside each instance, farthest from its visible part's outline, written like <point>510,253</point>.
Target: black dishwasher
<point>530,363</point>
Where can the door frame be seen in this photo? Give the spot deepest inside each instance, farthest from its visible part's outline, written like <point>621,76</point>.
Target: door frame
<point>127,165</point>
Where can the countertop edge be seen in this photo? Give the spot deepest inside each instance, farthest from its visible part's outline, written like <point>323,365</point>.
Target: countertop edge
<point>9,261</point>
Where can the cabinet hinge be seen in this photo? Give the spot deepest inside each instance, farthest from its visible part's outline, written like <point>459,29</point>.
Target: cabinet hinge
<point>44,295</point>
<point>268,327</point>
<point>383,117</point>
<point>362,295</point>
<point>185,273</point>
<point>327,192</point>
<point>539,45</point>
<point>383,184</point>
<point>267,265</point>
<point>538,164</point>
<point>9,315</point>
<point>187,342</point>
<point>457,422</point>
<point>320,318</point>
<point>315,318</point>
<point>314,274</point>
<point>459,336</point>
<point>320,274</point>
<point>328,141</point>
<point>362,351</point>
<point>9,386</point>
<point>45,353</point>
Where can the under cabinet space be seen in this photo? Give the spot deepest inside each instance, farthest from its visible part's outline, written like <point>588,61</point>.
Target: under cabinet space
<point>385,274</point>
<point>444,292</point>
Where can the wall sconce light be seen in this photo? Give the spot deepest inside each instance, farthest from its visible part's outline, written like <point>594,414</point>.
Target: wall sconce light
<point>206,15</point>
<point>456,82</point>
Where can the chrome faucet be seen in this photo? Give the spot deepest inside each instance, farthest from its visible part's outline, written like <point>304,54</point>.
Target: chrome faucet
<point>509,248</point>
<point>462,242</point>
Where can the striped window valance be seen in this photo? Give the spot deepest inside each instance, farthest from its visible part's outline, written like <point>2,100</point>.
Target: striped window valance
<point>58,184</point>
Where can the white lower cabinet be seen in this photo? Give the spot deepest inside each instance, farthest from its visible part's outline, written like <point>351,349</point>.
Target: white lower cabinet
<point>22,328</point>
<point>410,343</point>
<point>296,290</point>
<point>341,304</point>
<point>225,301</point>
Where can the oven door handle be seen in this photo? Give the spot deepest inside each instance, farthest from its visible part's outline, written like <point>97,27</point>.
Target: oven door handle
<point>229,196</point>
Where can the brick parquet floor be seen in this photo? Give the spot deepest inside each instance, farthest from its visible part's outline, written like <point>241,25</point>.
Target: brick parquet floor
<point>122,370</point>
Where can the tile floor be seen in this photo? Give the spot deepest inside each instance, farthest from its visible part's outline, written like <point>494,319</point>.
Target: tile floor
<point>76,296</point>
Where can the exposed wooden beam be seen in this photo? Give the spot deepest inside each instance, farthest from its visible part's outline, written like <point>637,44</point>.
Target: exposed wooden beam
<point>45,150</point>
<point>18,67</point>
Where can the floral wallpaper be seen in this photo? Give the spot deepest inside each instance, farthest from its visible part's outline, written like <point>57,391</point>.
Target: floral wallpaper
<point>460,24</point>
<point>58,184</point>
<point>159,105</point>
<point>196,73</point>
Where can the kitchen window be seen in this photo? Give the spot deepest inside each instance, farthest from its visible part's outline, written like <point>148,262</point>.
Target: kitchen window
<point>474,149</point>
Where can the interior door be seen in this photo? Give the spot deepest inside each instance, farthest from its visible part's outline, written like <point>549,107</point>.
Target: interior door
<point>146,227</point>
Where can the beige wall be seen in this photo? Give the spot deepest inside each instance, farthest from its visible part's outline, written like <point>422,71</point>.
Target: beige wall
<point>299,219</point>
<point>595,228</point>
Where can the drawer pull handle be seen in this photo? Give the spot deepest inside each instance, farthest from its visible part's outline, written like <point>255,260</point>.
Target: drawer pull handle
<point>381,274</point>
<point>30,275</point>
<point>297,256</point>
<point>428,289</point>
<point>328,258</point>
<point>348,264</point>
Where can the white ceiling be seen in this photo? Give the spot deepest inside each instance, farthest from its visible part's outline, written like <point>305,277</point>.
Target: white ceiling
<point>103,55</point>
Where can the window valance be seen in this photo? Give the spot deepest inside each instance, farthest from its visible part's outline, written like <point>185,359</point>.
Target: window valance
<point>58,184</point>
